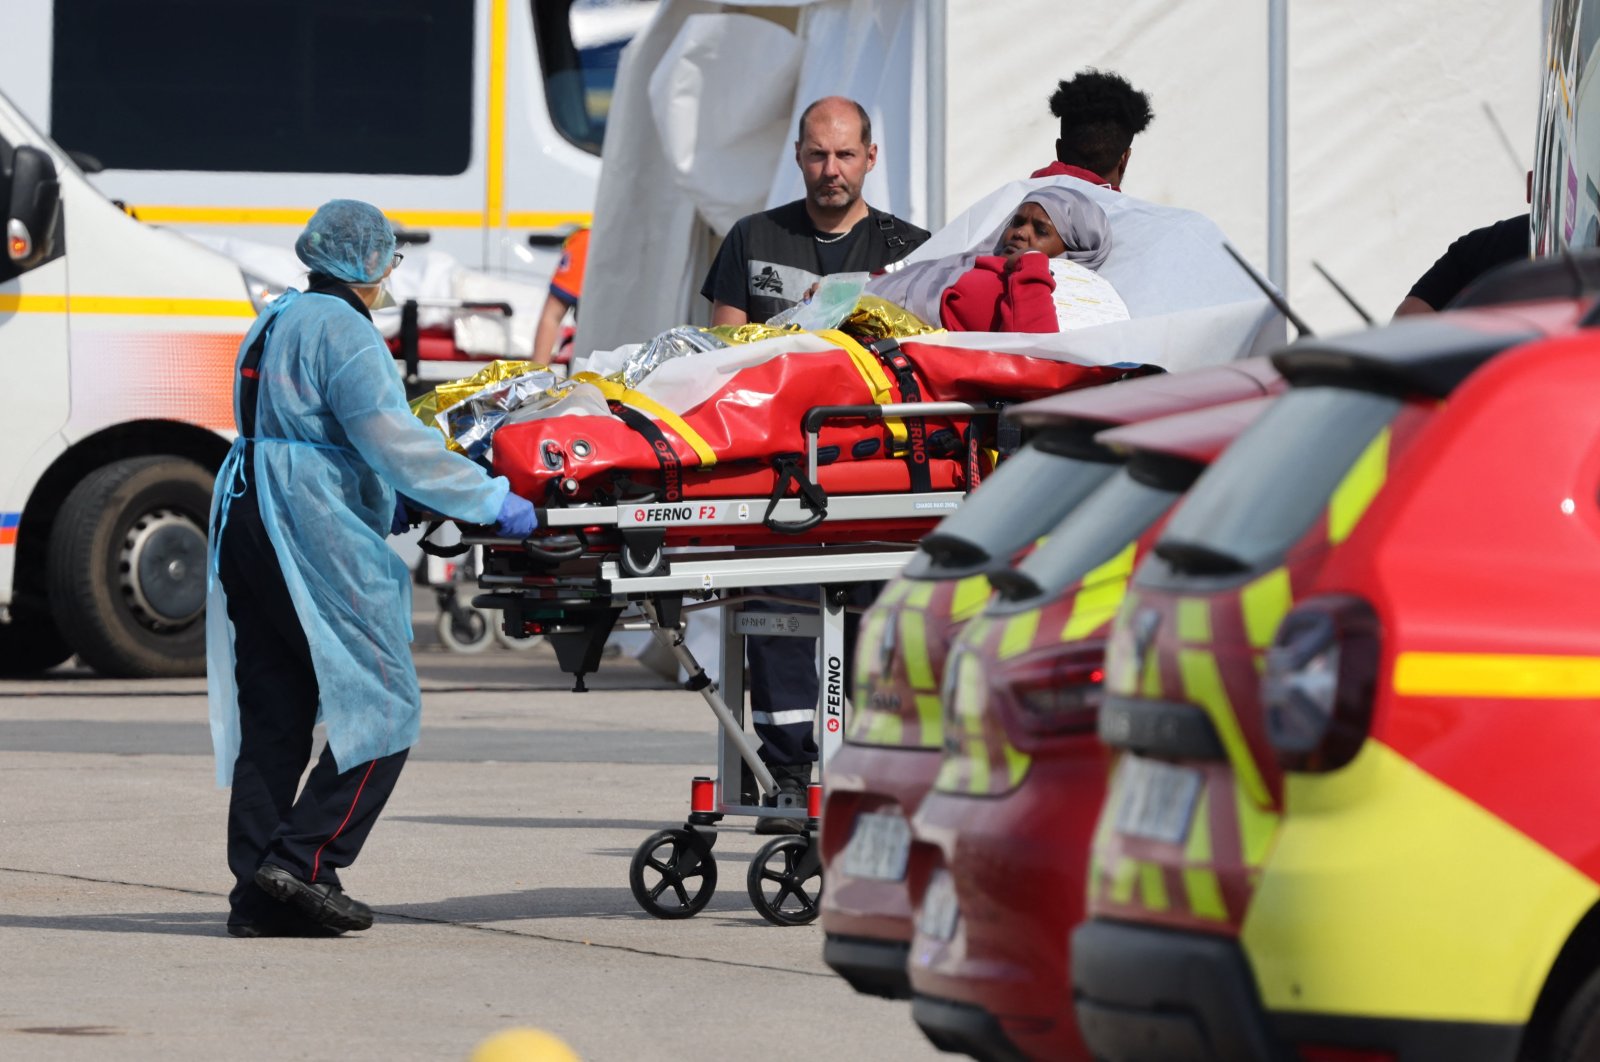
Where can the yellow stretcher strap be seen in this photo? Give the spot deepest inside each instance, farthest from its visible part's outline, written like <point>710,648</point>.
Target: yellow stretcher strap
<point>876,379</point>
<point>615,392</point>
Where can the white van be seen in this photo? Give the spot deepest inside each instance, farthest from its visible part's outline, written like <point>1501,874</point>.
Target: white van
<point>475,124</point>
<point>117,347</point>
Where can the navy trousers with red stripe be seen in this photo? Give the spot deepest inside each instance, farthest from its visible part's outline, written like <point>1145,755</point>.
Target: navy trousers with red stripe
<point>324,829</point>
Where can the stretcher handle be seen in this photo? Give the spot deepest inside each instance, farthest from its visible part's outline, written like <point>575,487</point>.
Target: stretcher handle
<point>551,549</point>
<point>816,416</point>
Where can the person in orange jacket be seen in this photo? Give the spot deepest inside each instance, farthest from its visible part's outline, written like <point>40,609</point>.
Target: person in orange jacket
<point>565,288</point>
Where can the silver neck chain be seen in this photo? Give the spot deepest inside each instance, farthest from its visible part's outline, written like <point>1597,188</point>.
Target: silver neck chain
<point>835,238</point>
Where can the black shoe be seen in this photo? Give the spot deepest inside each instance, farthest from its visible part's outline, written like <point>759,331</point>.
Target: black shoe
<point>326,905</point>
<point>767,825</point>
<point>792,782</point>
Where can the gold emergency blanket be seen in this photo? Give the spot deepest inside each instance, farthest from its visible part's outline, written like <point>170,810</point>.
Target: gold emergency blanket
<point>872,319</point>
<point>427,408</point>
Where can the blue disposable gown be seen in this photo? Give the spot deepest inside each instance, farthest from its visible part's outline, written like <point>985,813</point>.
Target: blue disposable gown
<point>334,440</point>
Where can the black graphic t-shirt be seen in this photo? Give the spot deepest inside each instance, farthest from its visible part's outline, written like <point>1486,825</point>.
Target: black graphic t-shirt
<point>768,261</point>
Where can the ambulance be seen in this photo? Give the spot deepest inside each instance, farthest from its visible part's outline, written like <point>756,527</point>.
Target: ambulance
<point>117,344</point>
<point>476,125</point>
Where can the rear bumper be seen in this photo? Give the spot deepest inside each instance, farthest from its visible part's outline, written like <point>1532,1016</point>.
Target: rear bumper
<point>872,967</point>
<point>1146,993</point>
<point>1018,864</point>
<point>964,1030</point>
<point>1160,994</point>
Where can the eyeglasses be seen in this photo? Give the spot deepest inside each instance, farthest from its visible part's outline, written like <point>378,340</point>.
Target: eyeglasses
<point>395,262</point>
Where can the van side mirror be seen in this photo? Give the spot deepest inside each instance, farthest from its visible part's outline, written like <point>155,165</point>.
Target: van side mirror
<point>34,208</point>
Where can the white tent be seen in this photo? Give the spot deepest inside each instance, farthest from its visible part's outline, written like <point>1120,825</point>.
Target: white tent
<point>1407,125</point>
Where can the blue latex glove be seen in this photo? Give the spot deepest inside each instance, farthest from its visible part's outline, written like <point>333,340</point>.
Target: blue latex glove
<point>400,522</point>
<point>517,518</point>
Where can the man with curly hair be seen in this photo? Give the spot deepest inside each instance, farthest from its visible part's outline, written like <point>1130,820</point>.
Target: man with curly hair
<point>1100,115</point>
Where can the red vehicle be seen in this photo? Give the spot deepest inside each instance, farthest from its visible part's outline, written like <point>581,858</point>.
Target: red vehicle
<point>1001,845</point>
<point>1347,820</point>
<point>891,751</point>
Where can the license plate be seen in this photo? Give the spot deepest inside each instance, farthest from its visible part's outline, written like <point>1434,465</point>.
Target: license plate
<point>940,910</point>
<point>878,847</point>
<point>1157,800</point>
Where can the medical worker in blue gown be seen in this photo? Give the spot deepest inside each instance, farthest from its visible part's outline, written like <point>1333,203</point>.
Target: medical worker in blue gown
<point>309,618</point>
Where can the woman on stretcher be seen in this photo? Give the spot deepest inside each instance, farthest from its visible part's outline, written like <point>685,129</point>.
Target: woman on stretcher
<point>1039,275</point>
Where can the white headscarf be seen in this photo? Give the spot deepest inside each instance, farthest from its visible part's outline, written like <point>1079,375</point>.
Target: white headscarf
<point>1079,221</point>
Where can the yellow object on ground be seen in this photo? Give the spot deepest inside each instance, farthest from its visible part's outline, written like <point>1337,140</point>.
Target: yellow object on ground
<point>524,1045</point>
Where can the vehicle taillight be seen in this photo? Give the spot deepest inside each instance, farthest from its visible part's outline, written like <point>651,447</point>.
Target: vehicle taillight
<point>1320,681</point>
<point>1058,690</point>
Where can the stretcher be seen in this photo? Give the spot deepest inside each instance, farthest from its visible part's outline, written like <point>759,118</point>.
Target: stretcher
<point>635,529</point>
<point>856,442</point>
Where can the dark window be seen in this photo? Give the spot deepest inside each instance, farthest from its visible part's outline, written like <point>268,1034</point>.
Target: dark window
<point>580,44</point>
<point>1116,514</point>
<point>1268,489</point>
<point>1025,498</point>
<point>299,86</point>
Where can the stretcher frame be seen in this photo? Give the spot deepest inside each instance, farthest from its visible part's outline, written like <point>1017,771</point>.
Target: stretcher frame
<point>530,579</point>
<point>713,578</point>
<point>647,573</point>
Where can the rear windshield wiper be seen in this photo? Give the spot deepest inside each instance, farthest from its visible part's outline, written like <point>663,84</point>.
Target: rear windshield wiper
<point>1192,558</point>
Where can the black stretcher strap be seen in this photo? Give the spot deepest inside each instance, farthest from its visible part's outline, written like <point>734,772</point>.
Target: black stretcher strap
<point>812,498</point>
<point>916,427</point>
<point>666,456</point>
<point>974,440</point>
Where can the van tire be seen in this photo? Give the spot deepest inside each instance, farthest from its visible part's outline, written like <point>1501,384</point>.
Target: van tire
<point>1576,1037</point>
<point>128,568</point>
<point>30,643</point>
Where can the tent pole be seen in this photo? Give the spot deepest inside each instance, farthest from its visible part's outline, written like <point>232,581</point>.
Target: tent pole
<point>937,41</point>
<point>1278,143</point>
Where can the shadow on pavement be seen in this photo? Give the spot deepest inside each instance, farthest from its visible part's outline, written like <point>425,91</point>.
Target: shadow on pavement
<point>172,923</point>
<point>553,902</point>
<point>648,825</point>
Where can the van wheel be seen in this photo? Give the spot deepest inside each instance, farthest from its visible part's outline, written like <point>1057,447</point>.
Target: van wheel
<point>1576,1037</point>
<point>30,643</point>
<point>128,567</point>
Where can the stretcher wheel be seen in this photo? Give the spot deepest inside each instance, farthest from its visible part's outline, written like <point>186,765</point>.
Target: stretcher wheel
<point>644,562</point>
<point>673,874</point>
<point>465,630</point>
<point>785,881</point>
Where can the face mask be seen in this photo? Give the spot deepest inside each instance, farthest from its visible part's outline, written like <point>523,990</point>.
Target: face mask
<point>385,299</point>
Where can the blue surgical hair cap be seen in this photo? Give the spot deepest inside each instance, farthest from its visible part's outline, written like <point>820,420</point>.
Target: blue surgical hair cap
<point>348,240</point>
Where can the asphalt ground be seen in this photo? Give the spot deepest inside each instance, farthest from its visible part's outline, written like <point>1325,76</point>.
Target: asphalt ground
<point>498,874</point>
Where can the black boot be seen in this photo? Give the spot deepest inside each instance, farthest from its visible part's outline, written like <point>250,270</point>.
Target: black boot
<point>792,783</point>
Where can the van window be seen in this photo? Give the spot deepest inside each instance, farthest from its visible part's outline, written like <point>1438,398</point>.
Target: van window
<point>1269,487</point>
<point>1115,515</point>
<point>580,44</point>
<point>299,86</point>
